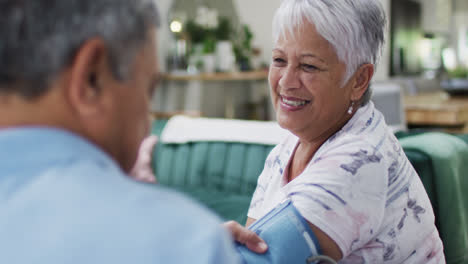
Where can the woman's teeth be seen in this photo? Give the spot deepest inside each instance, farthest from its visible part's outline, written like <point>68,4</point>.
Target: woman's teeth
<point>294,102</point>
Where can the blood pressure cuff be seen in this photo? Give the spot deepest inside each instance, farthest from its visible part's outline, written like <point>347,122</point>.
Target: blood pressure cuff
<point>287,234</point>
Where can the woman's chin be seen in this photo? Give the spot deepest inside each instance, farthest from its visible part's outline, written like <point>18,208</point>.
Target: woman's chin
<point>287,121</point>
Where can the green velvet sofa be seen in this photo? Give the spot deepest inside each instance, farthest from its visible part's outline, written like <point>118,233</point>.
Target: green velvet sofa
<point>223,176</point>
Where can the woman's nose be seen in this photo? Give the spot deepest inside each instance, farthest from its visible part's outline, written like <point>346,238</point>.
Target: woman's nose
<point>289,78</point>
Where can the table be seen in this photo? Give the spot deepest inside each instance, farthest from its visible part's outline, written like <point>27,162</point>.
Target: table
<point>210,94</point>
<point>437,109</point>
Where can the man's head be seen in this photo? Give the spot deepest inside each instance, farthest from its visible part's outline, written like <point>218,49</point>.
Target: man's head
<point>87,66</point>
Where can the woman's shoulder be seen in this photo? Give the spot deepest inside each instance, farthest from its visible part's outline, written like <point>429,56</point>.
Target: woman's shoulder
<point>379,147</point>
<point>367,129</point>
<point>368,121</point>
<point>344,142</point>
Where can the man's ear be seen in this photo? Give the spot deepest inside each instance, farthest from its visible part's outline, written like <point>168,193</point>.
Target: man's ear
<point>89,68</point>
<point>362,80</point>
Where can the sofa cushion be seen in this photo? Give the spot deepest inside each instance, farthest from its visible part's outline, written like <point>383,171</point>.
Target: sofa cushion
<point>226,167</point>
<point>222,176</point>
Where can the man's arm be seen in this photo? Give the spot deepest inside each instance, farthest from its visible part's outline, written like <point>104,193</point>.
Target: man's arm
<point>246,237</point>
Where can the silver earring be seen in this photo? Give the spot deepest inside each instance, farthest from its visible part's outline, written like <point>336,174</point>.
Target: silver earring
<point>350,109</point>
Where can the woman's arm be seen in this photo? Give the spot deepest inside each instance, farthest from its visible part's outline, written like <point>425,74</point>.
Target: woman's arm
<point>142,170</point>
<point>276,220</point>
<point>250,239</point>
<point>327,245</point>
<point>249,221</point>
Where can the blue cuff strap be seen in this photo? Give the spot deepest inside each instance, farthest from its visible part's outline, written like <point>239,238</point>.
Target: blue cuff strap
<point>288,236</point>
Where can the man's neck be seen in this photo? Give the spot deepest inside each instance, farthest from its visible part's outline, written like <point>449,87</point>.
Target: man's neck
<point>15,110</point>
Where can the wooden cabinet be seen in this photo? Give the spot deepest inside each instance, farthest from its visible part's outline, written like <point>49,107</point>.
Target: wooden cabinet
<point>439,110</point>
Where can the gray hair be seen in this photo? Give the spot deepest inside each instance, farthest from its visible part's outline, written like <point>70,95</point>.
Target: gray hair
<point>39,38</point>
<point>355,29</point>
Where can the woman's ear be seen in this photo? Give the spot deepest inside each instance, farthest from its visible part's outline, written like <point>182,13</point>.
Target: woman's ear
<point>362,80</point>
<point>87,72</point>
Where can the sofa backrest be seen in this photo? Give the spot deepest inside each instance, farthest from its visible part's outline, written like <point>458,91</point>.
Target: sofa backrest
<point>220,166</point>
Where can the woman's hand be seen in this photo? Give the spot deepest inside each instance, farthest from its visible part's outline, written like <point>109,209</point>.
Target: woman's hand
<point>142,170</point>
<point>246,237</point>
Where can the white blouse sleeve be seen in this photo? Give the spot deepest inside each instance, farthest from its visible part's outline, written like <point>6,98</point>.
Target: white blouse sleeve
<point>342,192</point>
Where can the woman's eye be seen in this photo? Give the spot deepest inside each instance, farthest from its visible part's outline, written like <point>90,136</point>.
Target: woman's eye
<point>278,61</point>
<point>308,67</point>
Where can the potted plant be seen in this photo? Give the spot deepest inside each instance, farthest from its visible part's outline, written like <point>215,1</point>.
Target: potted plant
<point>201,32</point>
<point>243,48</point>
<point>225,58</point>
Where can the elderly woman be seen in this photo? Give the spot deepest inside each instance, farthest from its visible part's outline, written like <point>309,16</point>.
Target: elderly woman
<point>342,167</point>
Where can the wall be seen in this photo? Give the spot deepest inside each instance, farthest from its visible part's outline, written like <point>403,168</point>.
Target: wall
<point>460,31</point>
<point>164,39</point>
<point>384,67</point>
<point>258,14</point>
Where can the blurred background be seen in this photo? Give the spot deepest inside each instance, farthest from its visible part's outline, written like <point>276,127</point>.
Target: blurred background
<point>215,55</point>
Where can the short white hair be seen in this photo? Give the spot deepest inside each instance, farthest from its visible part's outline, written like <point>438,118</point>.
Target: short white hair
<point>354,28</point>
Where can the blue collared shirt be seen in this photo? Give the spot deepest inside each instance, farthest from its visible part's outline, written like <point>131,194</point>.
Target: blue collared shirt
<point>63,200</point>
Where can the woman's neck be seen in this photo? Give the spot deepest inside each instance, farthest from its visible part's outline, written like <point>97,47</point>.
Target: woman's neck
<point>301,157</point>
<point>308,146</point>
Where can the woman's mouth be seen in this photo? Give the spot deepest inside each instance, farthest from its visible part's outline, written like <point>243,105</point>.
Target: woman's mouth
<point>293,104</point>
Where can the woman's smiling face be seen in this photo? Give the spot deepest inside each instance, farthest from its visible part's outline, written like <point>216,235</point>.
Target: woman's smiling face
<point>306,81</point>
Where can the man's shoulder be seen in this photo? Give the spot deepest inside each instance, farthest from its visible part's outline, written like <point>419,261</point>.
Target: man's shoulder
<point>102,208</point>
<point>112,186</point>
<point>75,196</point>
<point>124,222</point>
<point>155,217</point>
<point>154,199</point>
